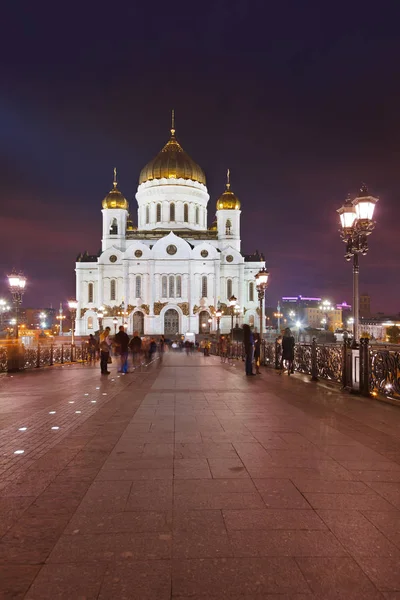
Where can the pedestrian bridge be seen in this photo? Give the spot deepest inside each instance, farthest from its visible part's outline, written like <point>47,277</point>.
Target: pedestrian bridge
<point>186,479</point>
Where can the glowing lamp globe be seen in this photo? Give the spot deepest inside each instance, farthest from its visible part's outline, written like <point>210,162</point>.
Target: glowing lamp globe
<point>364,205</point>
<point>73,304</point>
<point>348,215</point>
<point>262,278</point>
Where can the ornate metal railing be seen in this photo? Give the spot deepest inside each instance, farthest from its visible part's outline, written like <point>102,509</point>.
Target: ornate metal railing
<point>302,358</point>
<point>15,356</point>
<point>330,362</point>
<point>384,371</point>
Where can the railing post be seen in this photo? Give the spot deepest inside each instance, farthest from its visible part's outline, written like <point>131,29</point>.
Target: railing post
<point>344,363</point>
<point>38,357</point>
<point>51,355</point>
<point>62,354</point>
<point>364,367</point>
<point>314,361</point>
<point>277,353</point>
<point>72,352</point>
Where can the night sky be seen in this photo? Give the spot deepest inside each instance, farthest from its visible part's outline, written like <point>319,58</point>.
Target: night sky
<point>301,100</point>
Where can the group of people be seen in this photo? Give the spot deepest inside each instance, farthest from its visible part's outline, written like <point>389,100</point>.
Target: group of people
<point>122,345</point>
<point>252,349</point>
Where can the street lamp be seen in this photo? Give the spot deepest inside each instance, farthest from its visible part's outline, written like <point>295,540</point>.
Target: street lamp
<point>73,305</point>
<point>210,324</point>
<point>356,219</point>
<point>16,283</point>
<point>237,313</point>
<point>100,315</point>
<point>115,321</point>
<point>262,283</point>
<point>298,325</point>
<point>232,304</point>
<point>326,307</point>
<point>218,314</point>
<point>60,317</point>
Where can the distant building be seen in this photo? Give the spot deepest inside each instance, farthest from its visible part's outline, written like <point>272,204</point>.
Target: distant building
<point>365,305</point>
<point>33,320</point>
<point>307,310</point>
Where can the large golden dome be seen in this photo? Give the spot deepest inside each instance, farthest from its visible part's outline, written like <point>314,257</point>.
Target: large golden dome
<point>228,200</point>
<point>172,163</point>
<point>114,198</point>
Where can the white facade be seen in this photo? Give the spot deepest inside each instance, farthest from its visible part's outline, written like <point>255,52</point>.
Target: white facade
<point>168,275</point>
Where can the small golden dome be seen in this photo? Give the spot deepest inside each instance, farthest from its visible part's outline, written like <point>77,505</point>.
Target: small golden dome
<point>172,163</point>
<point>228,200</point>
<point>114,198</point>
<point>129,225</point>
<point>213,226</point>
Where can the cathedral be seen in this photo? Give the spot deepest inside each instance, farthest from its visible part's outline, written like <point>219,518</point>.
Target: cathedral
<point>170,273</point>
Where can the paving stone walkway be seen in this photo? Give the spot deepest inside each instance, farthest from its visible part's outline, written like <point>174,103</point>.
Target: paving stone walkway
<point>188,480</point>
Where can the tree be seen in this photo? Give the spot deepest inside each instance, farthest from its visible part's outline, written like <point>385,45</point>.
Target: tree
<point>393,334</point>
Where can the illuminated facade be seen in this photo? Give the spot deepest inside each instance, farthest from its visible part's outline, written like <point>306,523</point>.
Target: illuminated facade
<point>168,274</point>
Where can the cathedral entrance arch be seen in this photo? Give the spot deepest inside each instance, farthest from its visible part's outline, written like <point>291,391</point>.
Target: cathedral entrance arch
<point>138,322</point>
<point>171,322</point>
<point>204,325</point>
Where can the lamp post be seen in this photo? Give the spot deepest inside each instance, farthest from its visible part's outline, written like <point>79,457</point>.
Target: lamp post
<point>326,307</point>
<point>16,283</point>
<point>100,315</point>
<point>73,305</point>
<point>261,283</point>
<point>298,325</point>
<point>356,219</point>
<point>218,314</point>
<point>232,304</point>
<point>60,317</point>
<point>115,321</point>
<point>210,324</point>
<point>237,311</point>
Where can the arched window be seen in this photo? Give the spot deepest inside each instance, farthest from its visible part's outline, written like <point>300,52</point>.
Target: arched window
<point>228,227</point>
<point>185,213</point>
<point>178,286</point>
<point>228,288</point>
<point>90,292</point>
<point>164,283</point>
<point>158,213</point>
<point>251,292</point>
<point>204,287</point>
<point>147,215</point>
<point>114,227</point>
<point>113,289</point>
<point>171,286</point>
<point>90,323</point>
<point>138,286</point>
<point>172,212</point>
<point>197,215</point>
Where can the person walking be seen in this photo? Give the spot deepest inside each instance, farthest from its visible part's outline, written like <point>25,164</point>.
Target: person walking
<point>136,346</point>
<point>152,349</point>
<point>92,344</point>
<point>105,347</point>
<point>257,352</point>
<point>248,341</point>
<point>122,341</point>
<point>161,346</point>
<point>288,344</point>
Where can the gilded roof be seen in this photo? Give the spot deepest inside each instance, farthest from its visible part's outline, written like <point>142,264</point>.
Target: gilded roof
<point>228,200</point>
<point>172,163</point>
<point>114,198</point>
